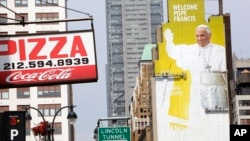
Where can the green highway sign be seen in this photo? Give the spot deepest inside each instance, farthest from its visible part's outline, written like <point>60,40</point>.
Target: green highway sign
<point>114,134</point>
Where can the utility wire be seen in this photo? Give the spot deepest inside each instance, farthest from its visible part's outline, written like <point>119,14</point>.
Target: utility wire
<point>11,10</point>
<point>10,18</point>
<point>21,21</point>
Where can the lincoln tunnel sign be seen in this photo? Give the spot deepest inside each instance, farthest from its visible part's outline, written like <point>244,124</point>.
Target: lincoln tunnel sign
<point>114,134</point>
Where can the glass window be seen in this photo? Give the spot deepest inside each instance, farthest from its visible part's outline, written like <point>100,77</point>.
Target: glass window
<point>49,91</point>
<point>58,128</point>
<point>4,108</point>
<point>52,112</point>
<point>3,18</point>
<point>23,92</point>
<point>46,2</point>
<point>46,112</point>
<point>47,16</point>
<point>244,112</point>
<point>245,121</point>
<point>59,113</point>
<point>21,3</point>
<point>49,109</point>
<point>3,33</point>
<point>3,2</point>
<point>21,32</point>
<point>244,102</point>
<point>4,93</point>
<point>18,16</point>
<point>40,92</point>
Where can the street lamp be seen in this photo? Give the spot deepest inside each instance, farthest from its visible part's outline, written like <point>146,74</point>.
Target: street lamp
<point>71,117</point>
<point>28,116</point>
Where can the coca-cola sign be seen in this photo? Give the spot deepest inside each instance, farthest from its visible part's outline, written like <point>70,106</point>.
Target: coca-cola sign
<point>47,59</point>
<point>51,74</point>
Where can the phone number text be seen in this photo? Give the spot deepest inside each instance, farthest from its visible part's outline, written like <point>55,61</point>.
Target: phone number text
<point>47,63</point>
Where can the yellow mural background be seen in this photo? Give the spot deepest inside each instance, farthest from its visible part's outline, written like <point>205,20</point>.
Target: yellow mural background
<point>184,33</point>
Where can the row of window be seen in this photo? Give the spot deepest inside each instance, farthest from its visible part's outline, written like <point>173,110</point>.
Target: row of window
<point>244,103</point>
<point>24,3</point>
<point>244,112</point>
<point>39,17</point>
<point>42,92</point>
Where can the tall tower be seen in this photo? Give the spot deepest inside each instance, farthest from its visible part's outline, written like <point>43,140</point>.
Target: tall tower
<point>130,25</point>
<point>48,99</point>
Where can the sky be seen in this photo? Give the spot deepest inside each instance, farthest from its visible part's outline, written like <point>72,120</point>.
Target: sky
<point>90,98</point>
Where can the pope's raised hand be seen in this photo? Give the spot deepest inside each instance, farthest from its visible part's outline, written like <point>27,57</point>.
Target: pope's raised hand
<point>168,34</point>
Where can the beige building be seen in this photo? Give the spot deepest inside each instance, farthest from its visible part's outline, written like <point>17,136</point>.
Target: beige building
<point>241,97</point>
<point>140,107</point>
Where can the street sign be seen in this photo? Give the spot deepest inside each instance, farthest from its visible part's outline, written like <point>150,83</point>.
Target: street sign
<point>114,134</point>
<point>13,123</point>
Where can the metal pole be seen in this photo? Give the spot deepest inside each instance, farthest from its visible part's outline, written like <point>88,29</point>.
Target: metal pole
<point>220,7</point>
<point>52,124</point>
<point>28,107</point>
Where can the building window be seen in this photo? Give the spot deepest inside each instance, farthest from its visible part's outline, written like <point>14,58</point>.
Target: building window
<point>3,18</point>
<point>49,91</point>
<point>244,103</point>
<point>3,33</point>
<point>22,32</point>
<point>23,92</point>
<point>18,17</point>
<point>3,2</point>
<point>47,16</point>
<point>57,128</point>
<point>46,2</point>
<point>4,93</point>
<point>21,3</point>
<point>244,112</point>
<point>245,121</point>
<point>49,109</point>
<point>4,108</point>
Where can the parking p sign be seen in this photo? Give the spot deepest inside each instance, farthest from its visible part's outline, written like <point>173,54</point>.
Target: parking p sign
<point>13,123</point>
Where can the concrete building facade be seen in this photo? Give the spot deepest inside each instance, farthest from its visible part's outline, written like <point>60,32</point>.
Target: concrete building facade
<point>141,107</point>
<point>241,98</point>
<point>48,99</point>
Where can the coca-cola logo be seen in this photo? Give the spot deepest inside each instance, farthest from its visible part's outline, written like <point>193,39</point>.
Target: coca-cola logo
<point>51,74</point>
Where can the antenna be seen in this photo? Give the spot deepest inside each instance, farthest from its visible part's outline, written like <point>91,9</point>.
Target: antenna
<point>220,7</point>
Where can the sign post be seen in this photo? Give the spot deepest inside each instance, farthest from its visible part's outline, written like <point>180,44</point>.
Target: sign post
<point>114,134</point>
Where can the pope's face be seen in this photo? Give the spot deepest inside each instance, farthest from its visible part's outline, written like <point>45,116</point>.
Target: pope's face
<point>202,37</point>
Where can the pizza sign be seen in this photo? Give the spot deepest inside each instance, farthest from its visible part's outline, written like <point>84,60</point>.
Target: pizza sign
<point>42,59</point>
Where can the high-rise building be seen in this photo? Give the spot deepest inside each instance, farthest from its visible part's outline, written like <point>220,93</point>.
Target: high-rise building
<point>48,99</point>
<point>241,97</point>
<point>130,25</point>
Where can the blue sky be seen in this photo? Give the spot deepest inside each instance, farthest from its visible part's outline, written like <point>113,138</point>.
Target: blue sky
<point>90,98</point>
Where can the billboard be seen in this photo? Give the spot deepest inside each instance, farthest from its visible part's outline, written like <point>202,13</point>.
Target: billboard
<point>57,58</point>
<point>191,99</point>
